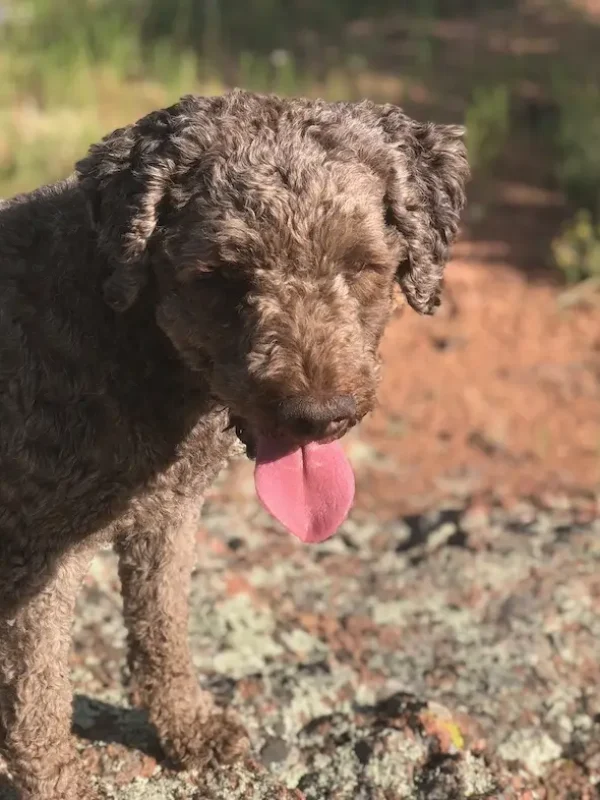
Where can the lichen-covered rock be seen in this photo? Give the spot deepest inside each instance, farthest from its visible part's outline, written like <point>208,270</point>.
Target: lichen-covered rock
<point>453,655</point>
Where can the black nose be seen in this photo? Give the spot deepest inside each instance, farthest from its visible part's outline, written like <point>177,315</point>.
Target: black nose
<point>307,417</point>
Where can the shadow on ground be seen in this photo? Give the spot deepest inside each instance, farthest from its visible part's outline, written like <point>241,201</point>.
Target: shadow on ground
<point>94,720</point>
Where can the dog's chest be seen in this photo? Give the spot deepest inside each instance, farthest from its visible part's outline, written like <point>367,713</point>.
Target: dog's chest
<point>103,479</point>
<point>180,485</point>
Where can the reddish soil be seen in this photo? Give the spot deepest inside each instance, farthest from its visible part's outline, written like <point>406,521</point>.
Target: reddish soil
<point>501,389</point>
<point>499,393</point>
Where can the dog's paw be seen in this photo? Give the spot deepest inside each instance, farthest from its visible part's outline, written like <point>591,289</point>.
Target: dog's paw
<point>217,739</point>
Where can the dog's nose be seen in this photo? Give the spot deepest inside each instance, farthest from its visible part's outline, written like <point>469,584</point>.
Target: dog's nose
<point>307,417</point>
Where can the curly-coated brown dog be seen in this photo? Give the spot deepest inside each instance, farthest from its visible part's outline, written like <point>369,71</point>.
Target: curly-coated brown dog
<point>223,266</point>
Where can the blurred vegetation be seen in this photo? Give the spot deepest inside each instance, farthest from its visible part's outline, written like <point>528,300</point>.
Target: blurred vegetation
<point>577,249</point>
<point>519,73</point>
<point>487,120</point>
<point>578,165</point>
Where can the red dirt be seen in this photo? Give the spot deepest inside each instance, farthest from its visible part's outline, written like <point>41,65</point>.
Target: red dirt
<point>499,393</point>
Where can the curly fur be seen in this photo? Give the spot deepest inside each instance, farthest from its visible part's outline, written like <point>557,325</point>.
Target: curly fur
<point>204,264</point>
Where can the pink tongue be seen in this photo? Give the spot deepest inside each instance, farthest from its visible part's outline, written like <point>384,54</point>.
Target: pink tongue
<point>309,490</point>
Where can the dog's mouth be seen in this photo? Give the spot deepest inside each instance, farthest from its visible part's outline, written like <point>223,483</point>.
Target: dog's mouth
<point>308,487</point>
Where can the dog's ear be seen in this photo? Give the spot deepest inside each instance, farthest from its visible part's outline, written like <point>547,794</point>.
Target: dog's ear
<point>425,195</point>
<point>124,179</point>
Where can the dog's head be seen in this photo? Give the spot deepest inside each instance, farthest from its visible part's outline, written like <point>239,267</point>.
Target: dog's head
<point>274,232</point>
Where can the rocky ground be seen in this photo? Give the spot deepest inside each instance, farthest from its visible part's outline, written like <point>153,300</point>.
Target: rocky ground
<point>446,655</point>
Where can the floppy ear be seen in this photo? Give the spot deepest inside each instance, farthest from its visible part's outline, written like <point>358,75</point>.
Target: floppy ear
<point>124,179</point>
<point>426,193</point>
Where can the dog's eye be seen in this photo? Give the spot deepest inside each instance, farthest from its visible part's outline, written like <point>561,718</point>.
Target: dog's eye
<point>211,277</point>
<point>220,285</point>
<point>224,287</point>
<point>194,273</point>
<point>206,277</point>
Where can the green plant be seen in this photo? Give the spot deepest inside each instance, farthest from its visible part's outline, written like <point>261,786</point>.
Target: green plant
<point>488,124</point>
<point>50,52</point>
<point>576,251</point>
<point>39,147</point>
<point>578,137</point>
<point>176,71</point>
<point>286,80</point>
<point>253,71</point>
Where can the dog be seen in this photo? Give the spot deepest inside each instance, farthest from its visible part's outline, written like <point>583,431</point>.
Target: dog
<point>222,269</point>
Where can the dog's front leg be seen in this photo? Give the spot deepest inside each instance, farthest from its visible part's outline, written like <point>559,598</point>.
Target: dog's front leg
<point>35,690</point>
<point>155,567</point>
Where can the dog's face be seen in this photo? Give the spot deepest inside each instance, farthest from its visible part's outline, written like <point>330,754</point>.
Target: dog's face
<point>274,233</point>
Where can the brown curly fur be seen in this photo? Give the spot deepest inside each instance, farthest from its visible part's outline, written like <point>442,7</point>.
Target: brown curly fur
<point>201,265</point>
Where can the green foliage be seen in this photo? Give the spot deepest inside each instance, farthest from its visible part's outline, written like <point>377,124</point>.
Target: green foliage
<point>50,48</point>
<point>39,146</point>
<point>47,39</point>
<point>176,71</point>
<point>111,60</point>
<point>259,26</point>
<point>578,163</point>
<point>577,250</point>
<point>488,124</point>
<point>72,69</point>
